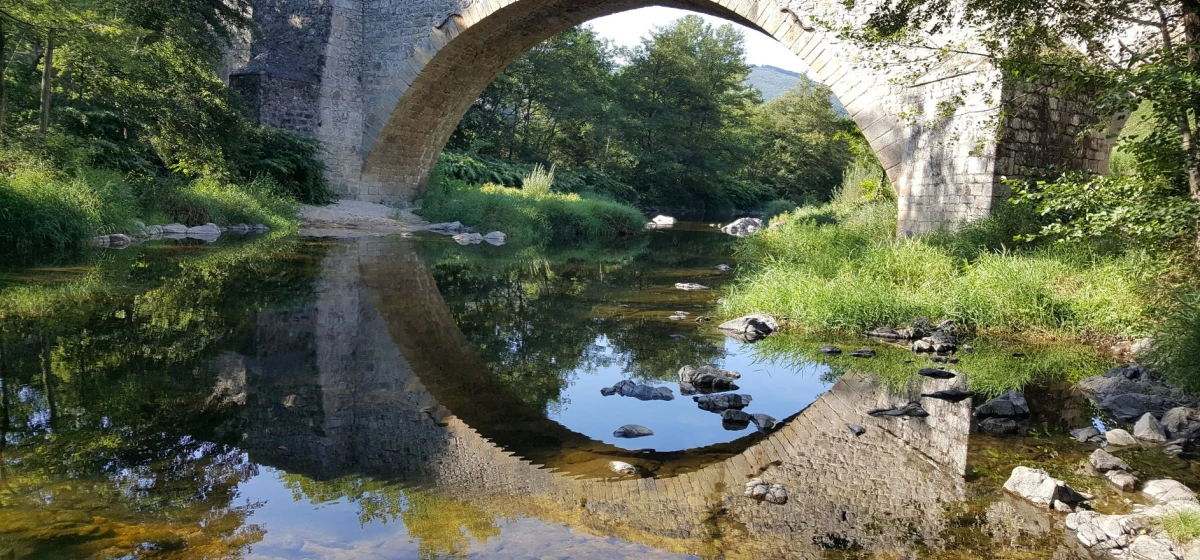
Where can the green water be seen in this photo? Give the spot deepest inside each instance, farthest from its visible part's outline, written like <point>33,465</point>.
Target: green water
<point>391,398</point>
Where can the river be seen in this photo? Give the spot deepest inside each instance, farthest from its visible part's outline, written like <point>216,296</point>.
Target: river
<point>276,397</point>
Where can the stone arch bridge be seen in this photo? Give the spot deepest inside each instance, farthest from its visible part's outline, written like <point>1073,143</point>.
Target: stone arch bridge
<point>383,83</point>
<point>373,378</point>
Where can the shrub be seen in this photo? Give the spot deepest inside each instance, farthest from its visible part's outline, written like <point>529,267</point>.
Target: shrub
<point>40,209</point>
<point>288,159</point>
<point>777,207</point>
<point>1182,526</point>
<point>539,181</point>
<point>1176,349</point>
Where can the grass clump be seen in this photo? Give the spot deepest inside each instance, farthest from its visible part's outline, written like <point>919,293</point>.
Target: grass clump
<point>839,267</point>
<point>1183,526</point>
<point>530,216</point>
<point>539,181</point>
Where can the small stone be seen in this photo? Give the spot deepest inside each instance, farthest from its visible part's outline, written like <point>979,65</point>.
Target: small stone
<point>735,420</point>
<point>751,328</point>
<point>724,268</point>
<point>496,238</point>
<point>468,239</point>
<point>743,227</point>
<point>1121,480</point>
<point>1039,487</point>
<point>856,429</point>
<point>1167,490</point>
<point>632,431</point>
<point>863,353</point>
<point>690,287</point>
<point>830,350</point>
<point>1120,438</point>
<point>1103,461</point>
<point>777,495</point>
<point>664,221</point>
<point>1087,435</point>
<point>1147,428</point>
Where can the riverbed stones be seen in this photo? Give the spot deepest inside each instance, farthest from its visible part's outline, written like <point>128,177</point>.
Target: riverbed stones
<point>705,379</point>
<point>691,287</point>
<point>1103,461</point>
<point>1121,480</point>
<point>1181,423</point>
<point>940,342</point>
<point>830,350</point>
<point>1134,536</point>
<point>1120,438</point>
<point>1130,391</point>
<point>912,409</point>
<point>722,402</point>
<point>1148,429</point>
<point>632,431</point>
<point>208,229</point>
<point>758,489</point>
<point>1009,405</point>
<point>764,422</point>
<point>1167,490</point>
<point>750,328</point>
<point>1040,488</point>
<point>743,227</point>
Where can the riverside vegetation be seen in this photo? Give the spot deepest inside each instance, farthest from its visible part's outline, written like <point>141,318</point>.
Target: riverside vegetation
<point>114,111</point>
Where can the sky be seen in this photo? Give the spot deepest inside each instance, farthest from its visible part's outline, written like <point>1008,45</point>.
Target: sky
<point>627,29</point>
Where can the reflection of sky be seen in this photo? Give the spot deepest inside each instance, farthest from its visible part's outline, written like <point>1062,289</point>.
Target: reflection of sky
<point>778,390</point>
<point>331,531</point>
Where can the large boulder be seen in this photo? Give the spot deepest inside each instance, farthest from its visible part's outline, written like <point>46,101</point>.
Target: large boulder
<point>496,238</point>
<point>743,227</point>
<point>664,221</point>
<point>751,328</point>
<point>735,420</point>
<point>706,379</point>
<point>1130,391</point>
<point>1120,438</point>
<point>1166,490</point>
<point>1182,423</point>
<point>722,402</point>
<point>1039,487</point>
<point>1009,405</point>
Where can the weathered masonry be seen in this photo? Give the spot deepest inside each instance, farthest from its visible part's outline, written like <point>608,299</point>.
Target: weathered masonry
<point>383,83</point>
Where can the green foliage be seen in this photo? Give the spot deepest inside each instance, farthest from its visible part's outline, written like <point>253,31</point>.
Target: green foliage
<point>801,152</point>
<point>530,218</point>
<point>290,162</point>
<point>776,208</point>
<point>840,268</point>
<point>1182,526</point>
<point>1175,352</point>
<point>475,169</point>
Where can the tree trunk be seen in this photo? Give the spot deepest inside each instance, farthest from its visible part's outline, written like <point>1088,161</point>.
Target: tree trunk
<point>47,81</point>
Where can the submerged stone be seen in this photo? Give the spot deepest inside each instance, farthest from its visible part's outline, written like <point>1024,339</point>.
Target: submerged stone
<point>951,395</point>
<point>722,402</point>
<point>632,431</point>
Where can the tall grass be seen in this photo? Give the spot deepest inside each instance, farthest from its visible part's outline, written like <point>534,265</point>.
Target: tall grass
<point>539,181</point>
<point>840,267</point>
<point>41,209</point>
<point>530,216</point>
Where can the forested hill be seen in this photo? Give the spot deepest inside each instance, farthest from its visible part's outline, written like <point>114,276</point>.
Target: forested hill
<point>774,82</point>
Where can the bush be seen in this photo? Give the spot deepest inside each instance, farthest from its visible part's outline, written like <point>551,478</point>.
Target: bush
<point>42,210</point>
<point>539,181</point>
<point>477,170</point>
<point>777,207</point>
<point>1176,349</point>
<point>289,160</point>
<point>527,217</point>
<point>839,267</point>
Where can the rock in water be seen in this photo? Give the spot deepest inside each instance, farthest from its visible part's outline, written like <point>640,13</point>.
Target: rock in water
<point>664,221</point>
<point>1120,438</point>
<point>621,467</point>
<point>951,395</point>
<point>722,402</point>
<point>911,409</point>
<point>743,227</point>
<point>1103,461</point>
<point>642,392</point>
<point>496,238</point>
<point>445,228</point>
<point>751,328</point>
<point>999,426</point>
<point>174,229</point>
<point>1167,490</point>
<point>763,422</point>
<point>706,379</point>
<point>735,420</point>
<point>1039,487</point>
<point>856,429</point>
<point>724,268</point>
<point>1121,480</point>
<point>888,333</point>
<point>632,431</point>
<point>1148,429</point>
<point>689,287</point>
<point>863,353</point>
<point>1087,435</point>
<point>1009,405</point>
<point>936,373</point>
<point>468,239</point>
<point>830,350</point>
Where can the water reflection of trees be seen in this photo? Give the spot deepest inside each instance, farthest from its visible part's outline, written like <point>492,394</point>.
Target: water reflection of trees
<point>113,440</point>
<point>539,319</point>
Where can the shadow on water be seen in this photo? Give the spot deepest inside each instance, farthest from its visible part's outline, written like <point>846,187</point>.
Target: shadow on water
<point>420,399</point>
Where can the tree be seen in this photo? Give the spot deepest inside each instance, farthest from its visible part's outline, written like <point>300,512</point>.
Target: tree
<point>801,150</point>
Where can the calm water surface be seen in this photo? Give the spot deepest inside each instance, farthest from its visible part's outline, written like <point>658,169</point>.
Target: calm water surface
<point>393,398</point>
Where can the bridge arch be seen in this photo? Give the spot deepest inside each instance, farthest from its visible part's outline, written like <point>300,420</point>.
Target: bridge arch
<point>384,83</point>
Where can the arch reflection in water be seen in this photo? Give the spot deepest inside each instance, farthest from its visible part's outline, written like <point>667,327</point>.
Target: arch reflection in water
<point>389,388</point>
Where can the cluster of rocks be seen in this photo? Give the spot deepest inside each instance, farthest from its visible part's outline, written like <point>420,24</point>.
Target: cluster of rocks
<point>743,227</point>
<point>639,391</point>
<point>464,235</point>
<point>758,489</point>
<point>713,383</point>
<point>1140,534</point>
<point>208,232</point>
<point>706,379</point>
<point>1115,470</point>
<point>1161,415</point>
<point>1002,415</point>
<point>925,338</point>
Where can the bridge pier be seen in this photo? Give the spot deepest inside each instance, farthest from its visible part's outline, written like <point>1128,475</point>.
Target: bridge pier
<point>383,84</point>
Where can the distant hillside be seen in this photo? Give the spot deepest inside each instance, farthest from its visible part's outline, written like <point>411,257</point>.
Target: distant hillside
<point>774,82</point>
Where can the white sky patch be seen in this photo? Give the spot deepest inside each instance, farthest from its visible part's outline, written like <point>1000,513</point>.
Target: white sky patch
<point>628,28</point>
